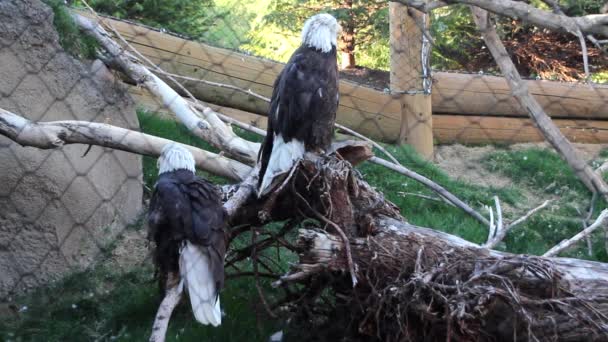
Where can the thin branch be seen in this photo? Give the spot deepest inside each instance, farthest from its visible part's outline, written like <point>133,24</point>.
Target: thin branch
<point>254,260</point>
<point>231,121</point>
<point>216,84</point>
<point>433,186</point>
<point>586,221</point>
<point>581,38</point>
<point>573,240</point>
<point>499,226</point>
<point>492,226</point>
<point>430,198</point>
<point>502,233</point>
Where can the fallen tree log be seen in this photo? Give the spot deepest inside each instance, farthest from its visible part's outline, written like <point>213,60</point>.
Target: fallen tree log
<point>417,283</point>
<point>412,283</point>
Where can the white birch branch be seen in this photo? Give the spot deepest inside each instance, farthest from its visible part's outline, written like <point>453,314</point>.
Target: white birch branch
<point>560,247</point>
<point>441,191</point>
<point>163,315</point>
<point>211,129</point>
<point>54,134</point>
<point>500,234</point>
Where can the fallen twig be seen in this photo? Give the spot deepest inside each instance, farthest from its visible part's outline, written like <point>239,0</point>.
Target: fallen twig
<point>576,238</point>
<point>433,186</point>
<point>500,235</point>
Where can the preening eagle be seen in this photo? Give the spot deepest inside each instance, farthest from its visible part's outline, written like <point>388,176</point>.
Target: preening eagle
<point>304,101</point>
<point>187,221</point>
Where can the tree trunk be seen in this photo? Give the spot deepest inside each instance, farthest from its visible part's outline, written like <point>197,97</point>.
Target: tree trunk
<point>348,38</point>
<point>415,283</point>
<point>420,283</point>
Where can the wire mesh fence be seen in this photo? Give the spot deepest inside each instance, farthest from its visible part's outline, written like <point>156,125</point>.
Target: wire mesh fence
<point>62,208</point>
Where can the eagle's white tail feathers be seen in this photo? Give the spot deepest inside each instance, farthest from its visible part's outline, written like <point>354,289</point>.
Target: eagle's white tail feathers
<point>282,158</point>
<point>195,269</point>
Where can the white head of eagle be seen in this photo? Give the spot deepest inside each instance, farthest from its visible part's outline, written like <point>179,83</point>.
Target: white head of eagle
<point>320,32</point>
<point>175,157</point>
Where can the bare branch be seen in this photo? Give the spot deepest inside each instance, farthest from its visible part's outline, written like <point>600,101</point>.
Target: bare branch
<point>433,186</point>
<point>54,134</point>
<point>499,226</point>
<point>161,321</point>
<point>500,235</point>
<point>520,91</point>
<point>211,129</point>
<point>231,121</point>
<point>576,238</point>
<point>214,84</point>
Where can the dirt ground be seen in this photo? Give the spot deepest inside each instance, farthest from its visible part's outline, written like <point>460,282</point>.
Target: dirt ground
<point>464,163</point>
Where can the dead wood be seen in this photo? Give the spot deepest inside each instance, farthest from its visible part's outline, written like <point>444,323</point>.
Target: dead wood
<point>54,134</point>
<point>520,91</point>
<point>414,283</point>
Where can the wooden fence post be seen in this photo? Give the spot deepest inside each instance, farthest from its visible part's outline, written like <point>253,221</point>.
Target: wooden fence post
<point>410,78</point>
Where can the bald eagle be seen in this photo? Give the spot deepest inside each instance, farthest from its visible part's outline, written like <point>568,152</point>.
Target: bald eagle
<point>304,102</point>
<point>186,221</point>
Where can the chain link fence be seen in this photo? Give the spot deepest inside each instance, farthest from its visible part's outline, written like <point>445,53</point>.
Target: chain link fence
<point>62,209</point>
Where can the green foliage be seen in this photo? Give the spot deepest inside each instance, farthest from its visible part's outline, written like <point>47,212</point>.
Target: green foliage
<point>279,34</point>
<point>581,7</point>
<point>71,39</point>
<point>188,17</point>
<point>600,77</point>
<point>455,34</point>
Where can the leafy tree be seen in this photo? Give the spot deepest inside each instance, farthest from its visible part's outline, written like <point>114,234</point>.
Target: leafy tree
<point>363,21</point>
<point>188,17</point>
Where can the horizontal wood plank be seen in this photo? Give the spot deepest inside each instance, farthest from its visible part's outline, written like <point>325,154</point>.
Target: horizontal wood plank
<point>476,98</point>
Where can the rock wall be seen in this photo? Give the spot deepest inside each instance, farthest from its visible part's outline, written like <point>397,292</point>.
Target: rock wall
<point>58,208</point>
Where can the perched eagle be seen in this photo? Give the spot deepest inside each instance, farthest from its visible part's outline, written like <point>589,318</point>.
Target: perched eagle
<point>187,221</point>
<point>304,101</point>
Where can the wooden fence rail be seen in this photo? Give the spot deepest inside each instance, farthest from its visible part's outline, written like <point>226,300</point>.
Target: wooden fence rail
<point>466,108</point>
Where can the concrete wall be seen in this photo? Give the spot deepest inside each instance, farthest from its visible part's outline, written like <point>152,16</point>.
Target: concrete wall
<point>58,208</point>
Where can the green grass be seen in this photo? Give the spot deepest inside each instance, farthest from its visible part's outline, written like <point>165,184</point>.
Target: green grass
<point>104,303</point>
<point>546,175</point>
<point>536,167</point>
<point>71,39</point>
<point>433,213</point>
